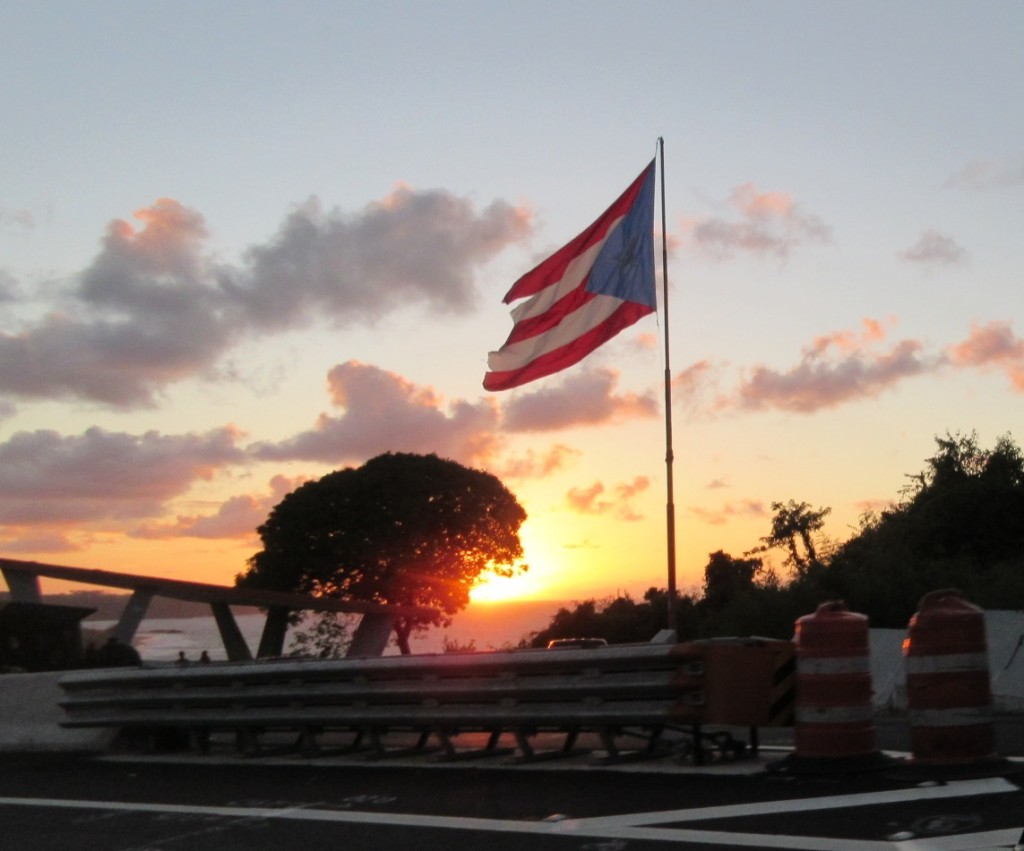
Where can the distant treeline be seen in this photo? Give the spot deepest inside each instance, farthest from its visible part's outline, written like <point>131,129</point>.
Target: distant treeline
<point>959,523</point>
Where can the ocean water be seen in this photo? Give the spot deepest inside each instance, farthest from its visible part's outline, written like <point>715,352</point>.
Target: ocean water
<point>489,626</point>
<point>162,639</point>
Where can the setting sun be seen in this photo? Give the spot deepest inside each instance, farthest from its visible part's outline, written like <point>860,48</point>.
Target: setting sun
<point>500,589</point>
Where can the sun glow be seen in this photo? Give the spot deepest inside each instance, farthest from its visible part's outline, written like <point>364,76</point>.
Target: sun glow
<point>500,589</point>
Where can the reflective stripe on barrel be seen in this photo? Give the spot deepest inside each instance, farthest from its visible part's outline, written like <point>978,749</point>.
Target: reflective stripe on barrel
<point>834,716</point>
<point>949,692</point>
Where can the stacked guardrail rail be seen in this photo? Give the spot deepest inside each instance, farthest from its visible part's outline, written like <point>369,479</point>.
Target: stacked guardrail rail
<point>615,691</point>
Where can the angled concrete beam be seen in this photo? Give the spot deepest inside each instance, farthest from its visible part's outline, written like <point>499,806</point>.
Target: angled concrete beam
<point>372,634</point>
<point>230,634</point>
<point>272,639</point>
<point>24,587</point>
<point>133,613</point>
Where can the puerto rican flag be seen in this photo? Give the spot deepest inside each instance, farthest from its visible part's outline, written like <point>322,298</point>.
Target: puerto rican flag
<point>583,294</point>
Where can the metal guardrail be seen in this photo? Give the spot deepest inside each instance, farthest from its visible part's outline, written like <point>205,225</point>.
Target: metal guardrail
<point>615,691</point>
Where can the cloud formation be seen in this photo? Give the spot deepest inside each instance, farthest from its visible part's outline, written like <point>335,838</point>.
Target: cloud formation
<point>988,174</point>
<point>153,309</point>
<point>618,504</point>
<point>21,219</point>
<point>537,465</point>
<point>384,412</point>
<point>410,248</point>
<point>850,366</point>
<point>934,249</point>
<point>762,223</point>
<point>237,517</point>
<point>993,345</point>
<point>836,368</point>
<point>743,510</point>
<point>100,475</point>
<point>583,398</point>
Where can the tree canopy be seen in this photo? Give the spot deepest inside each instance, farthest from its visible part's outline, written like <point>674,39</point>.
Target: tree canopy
<point>960,523</point>
<point>402,529</point>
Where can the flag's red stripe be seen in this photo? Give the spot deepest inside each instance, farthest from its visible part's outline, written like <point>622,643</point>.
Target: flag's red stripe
<point>571,353</point>
<point>552,269</point>
<point>565,306</point>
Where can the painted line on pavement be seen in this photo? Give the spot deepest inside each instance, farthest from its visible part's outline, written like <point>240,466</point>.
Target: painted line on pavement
<point>626,827</point>
<point>961,789</point>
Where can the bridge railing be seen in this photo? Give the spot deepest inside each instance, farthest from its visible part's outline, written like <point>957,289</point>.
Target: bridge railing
<point>613,691</point>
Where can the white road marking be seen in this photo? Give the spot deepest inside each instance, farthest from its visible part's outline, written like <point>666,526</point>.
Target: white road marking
<point>626,827</point>
<point>963,789</point>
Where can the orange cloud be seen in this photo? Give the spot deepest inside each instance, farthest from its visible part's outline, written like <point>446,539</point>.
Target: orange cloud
<point>992,345</point>
<point>588,500</point>
<point>534,465</point>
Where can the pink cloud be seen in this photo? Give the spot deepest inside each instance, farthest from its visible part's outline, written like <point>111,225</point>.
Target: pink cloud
<point>742,510</point>
<point>762,223</point>
<point>691,385</point>
<point>32,542</point>
<point>992,345</point>
<point>584,398</point>
<point>237,517</point>
<point>384,412</point>
<point>836,368</point>
<point>646,341</point>
<point>99,475</point>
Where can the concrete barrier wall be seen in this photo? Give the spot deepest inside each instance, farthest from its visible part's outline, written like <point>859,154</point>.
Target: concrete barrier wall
<point>1004,632</point>
<point>31,717</point>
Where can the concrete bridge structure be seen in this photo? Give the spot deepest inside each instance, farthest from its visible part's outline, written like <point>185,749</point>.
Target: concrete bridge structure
<point>370,638</point>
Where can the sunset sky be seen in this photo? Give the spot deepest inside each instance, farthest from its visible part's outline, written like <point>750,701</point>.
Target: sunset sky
<point>244,244</point>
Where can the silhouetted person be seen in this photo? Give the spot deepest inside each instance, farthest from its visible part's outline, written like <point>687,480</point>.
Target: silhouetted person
<point>115,654</point>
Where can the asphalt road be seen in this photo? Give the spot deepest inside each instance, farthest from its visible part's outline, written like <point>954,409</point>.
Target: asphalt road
<point>215,803</point>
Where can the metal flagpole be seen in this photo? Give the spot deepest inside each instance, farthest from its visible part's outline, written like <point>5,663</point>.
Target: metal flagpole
<point>670,507</point>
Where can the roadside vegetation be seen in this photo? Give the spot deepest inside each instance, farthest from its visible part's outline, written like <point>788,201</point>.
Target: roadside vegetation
<point>958,523</point>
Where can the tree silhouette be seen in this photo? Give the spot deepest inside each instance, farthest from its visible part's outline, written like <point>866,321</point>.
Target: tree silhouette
<point>402,529</point>
<point>792,525</point>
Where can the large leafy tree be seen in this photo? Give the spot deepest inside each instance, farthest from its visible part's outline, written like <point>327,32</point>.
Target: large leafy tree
<point>402,529</point>
<point>794,527</point>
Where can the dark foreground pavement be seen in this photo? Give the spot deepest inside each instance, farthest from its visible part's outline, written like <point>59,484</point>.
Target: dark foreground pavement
<point>212,803</point>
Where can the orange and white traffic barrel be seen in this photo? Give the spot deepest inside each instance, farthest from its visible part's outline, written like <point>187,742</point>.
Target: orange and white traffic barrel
<point>834,717</point>
<point>949,691</point>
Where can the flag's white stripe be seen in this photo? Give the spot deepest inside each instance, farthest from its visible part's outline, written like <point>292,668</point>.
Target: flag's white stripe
<point>575,272</point>
<point>522,352</point>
